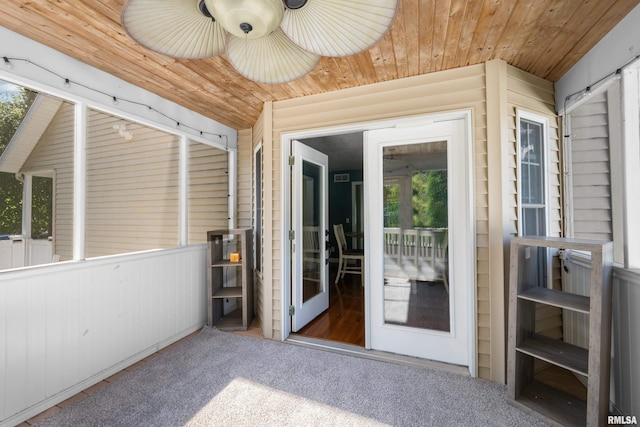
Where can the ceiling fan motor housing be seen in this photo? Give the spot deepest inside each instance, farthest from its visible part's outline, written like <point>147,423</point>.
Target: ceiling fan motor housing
<point>247,18</point>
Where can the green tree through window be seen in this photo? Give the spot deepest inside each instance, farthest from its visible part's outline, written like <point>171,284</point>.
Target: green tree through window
<point>391,205</point>
<point>13,107</point>
<point>430,209</point>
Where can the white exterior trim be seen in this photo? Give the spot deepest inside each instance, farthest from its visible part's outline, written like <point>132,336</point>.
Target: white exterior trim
<point>183,191</point>
<point>285,144</point>
<point>544,121</point>
<point>631,163</point>
<point>80,181</point>
<point>103,86</point>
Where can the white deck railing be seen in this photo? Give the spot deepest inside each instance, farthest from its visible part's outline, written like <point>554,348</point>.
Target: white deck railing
<point>16,252</point>
<point>69,325</point>
<point>416,254</point>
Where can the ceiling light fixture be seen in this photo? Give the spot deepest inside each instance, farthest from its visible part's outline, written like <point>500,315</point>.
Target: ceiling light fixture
<point>268,41</point>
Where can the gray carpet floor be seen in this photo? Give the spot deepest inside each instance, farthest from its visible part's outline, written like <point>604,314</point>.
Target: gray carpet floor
<point>224,379</point>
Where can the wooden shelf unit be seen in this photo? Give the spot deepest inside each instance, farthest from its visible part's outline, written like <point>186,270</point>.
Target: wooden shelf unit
<point>525,346</point>
<point>228,280</point>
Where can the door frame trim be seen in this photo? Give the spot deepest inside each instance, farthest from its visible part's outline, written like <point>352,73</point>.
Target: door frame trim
<point>285,214</point>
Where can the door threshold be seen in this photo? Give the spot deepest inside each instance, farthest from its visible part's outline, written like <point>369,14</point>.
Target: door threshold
<point>381,356</point>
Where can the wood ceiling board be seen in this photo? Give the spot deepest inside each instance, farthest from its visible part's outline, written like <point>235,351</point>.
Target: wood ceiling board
<point>544,37</point>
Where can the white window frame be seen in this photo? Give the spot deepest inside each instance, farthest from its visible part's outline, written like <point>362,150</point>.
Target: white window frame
<point>630,100</point>
<point>544,122</point>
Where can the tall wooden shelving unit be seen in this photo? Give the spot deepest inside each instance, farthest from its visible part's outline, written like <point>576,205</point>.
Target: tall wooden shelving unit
<point>525,346</point>
<point>230,279</point>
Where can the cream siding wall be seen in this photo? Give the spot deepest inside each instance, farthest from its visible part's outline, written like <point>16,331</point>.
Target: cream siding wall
<point>590,170</point>
<point>208,191</point>
<point>246,209</point>
<point>463,88</point>
<point>534,95</point>
<point>54,152</point>
<point>264,290</point>
<point>458,89</point>
<point>35,122</point>
<point>132,188</point>
<point>245,180</point>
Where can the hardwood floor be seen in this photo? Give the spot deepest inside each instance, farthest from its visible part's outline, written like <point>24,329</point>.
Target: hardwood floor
<point>344,320</point>
<point>422,305</point>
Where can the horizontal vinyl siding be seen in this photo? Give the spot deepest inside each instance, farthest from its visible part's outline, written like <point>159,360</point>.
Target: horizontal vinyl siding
<point>534,95</point>
<point>54,151</point>
<point>590,170</point>
<point>208,191</point>
<point>132,188</point>
<point>458,89</point>
<point>263,300</point>
<point>33,126</point>
<point>245,179</point>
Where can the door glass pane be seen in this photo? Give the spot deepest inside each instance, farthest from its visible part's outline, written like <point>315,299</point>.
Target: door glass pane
<point>312,232</point>
<point>415,188</point>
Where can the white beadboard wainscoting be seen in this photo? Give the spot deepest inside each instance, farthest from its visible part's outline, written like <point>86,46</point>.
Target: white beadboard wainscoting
<point>67,326</point>
<point>625,345</point>
<point>625,371</point>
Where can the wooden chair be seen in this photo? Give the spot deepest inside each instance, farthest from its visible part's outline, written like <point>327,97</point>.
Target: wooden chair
<point>311,252</point>
<point>347,255</point>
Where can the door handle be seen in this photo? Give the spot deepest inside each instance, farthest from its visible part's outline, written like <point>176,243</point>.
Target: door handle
<point>326,247</point>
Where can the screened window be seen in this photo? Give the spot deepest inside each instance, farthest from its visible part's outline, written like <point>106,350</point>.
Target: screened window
<point>532,178</point>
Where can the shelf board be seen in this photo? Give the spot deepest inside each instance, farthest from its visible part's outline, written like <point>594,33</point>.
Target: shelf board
<point>560,299</point>
<point>226,263</point>
<point>231,322</point>
<point>228,292</point>
<point>552,405</point>
<point>559,353</point>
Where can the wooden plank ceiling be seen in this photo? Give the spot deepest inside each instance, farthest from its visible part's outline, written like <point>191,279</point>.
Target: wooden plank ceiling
<point>543,37</point>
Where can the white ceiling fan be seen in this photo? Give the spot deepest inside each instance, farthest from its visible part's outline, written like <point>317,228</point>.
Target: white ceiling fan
<point>268,41</point>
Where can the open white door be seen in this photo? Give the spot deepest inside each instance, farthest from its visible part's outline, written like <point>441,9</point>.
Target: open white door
<point>419,240</point>
<point>309,221</point>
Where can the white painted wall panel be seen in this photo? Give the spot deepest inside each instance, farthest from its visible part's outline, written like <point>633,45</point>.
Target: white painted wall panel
<point>69,325</point>
<point>625,345</point>
<point>625,387</point>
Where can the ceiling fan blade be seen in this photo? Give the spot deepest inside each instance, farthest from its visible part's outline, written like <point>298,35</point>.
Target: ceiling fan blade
<point>338,27</point>
<point>270,59</point>
<point>177,28</point>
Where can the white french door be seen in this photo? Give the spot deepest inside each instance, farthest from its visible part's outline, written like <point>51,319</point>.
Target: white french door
<point>309,221</point>
<point>419,240</point>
